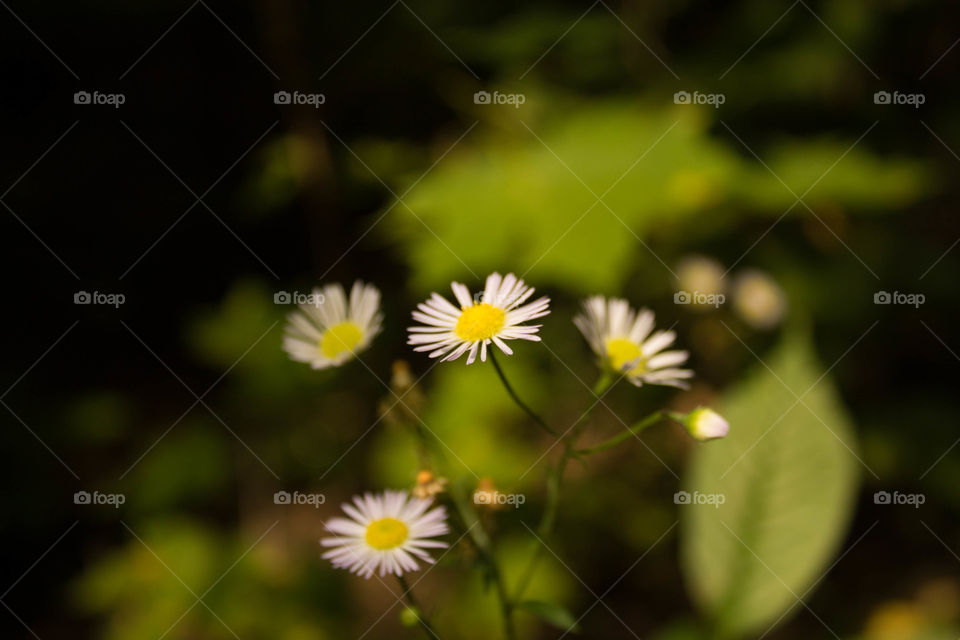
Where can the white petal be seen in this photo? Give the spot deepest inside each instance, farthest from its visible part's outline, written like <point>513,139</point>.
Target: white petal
<point>658,342</point>
<point>667,359</point>
<point>462,294</point>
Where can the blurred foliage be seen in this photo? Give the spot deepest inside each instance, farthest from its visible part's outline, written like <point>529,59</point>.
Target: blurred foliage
<point>194,463</point>
<point>526,198</point>
<point>180,579</point>
<point>788,474</point>
<point>475,426</point>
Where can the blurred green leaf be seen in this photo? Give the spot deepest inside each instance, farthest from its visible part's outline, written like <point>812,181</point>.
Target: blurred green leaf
<point>552,613</point>
<point>242,336</point>
<point>139,586</point>
<point>681,630</point>
<point>788,474</point>
<point>524,197</point>
<point>189,466</point>
<point>470,608</point>
<point>480,432</point>
<point>220,336</point>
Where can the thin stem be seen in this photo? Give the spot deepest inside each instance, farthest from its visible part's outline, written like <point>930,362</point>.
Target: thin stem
<point>513,394</point>
<point>474,528</point>
<point>484,547</point>
<point>554,480</point>
<point>421,616</point>
<point>650,420</point>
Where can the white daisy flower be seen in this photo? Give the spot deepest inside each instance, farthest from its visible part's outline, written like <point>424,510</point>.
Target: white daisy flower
<point>622,338</point>
<point>388,532</point>
<point>494,317</point>
<point>329,329</point>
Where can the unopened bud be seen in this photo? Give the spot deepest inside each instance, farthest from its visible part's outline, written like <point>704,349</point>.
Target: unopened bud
<point>705,424</point>
<point>410,617</point>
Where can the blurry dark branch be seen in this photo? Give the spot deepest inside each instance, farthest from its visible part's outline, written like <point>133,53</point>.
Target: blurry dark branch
<point>281,24</point>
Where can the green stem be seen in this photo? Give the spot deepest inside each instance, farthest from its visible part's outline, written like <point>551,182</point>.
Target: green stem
<point>484,547</point>
<point>653,418</point>
<point>480,539</point>
<point>513,394</point>
<point>554,480</point>
<point>421,616</point>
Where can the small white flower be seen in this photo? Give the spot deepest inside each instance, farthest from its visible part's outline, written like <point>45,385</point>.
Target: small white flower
<point>701,281</point>
<point>494,317</point>
<point>701,274</point>
<point>388,532</point>
<point>329,330</point>
<point>706,424</point>
<point>622,338</point>
<point>759,299</point>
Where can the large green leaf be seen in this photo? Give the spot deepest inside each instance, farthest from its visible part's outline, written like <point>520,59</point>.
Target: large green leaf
<point>523,195</point>
<point>787,472</point>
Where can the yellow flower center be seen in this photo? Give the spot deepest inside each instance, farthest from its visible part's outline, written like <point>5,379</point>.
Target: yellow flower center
<point>340,338</point>
<point>386,533</point>
<point>480,322</point>
<point>622,352</point>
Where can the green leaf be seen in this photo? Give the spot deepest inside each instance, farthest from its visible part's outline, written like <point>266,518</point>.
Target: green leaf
<point>552,614</point>
<point>681,630</point>
<point>523,195</point>
<point>787,473</point>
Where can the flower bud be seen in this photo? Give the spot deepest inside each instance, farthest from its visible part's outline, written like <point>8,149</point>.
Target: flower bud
<point>428,484</point>
<point>706,424</point>
<point>402,386</point>
<point>410,616</point>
